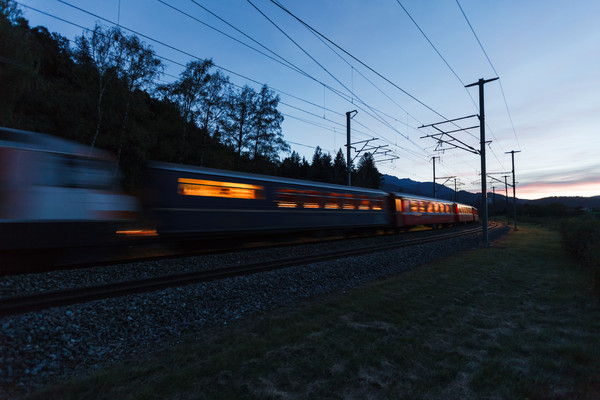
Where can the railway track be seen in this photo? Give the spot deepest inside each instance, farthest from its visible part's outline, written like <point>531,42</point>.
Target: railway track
<point>26,303</point>
<point>147,250</point>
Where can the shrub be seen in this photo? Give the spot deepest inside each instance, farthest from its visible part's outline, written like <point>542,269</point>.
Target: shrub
<point>581,238</point>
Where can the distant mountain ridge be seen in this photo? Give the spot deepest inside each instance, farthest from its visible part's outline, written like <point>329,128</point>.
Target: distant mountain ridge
<point>408,186</point>
<point>569,201</point>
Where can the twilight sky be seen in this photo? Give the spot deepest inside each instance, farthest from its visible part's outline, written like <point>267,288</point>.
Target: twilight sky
<point>546,53</point>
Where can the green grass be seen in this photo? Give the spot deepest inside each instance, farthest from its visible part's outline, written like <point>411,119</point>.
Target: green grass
<point>518,320</point>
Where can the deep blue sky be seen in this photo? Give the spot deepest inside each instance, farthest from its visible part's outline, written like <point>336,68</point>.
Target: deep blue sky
<point>546,53</point>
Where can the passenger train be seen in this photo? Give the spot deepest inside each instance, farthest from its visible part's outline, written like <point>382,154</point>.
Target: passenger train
<point>54,193</point>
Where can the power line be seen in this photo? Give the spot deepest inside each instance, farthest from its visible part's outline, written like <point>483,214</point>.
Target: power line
<point>243,33</point>
<point>356,59</point>
<point>495,72</point>
<point>437,51</point>
<point>360,73</point>
<point>175,62</point>
<point>283,61</point>
<point>192,56</point>
<point>174,48</point>
<point>376,87</point>
<point>321,37</point>
<point>319,64</point>
<point>453,72</point>
<point>288,63</point>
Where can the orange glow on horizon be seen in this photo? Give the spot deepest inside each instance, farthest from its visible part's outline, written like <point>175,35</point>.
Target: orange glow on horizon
<point>540,190</point>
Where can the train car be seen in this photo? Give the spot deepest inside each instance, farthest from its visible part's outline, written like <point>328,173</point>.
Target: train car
<point>54,192</point>
<point>411,210</point>
<point>185,200</point>
<point>465,213</point>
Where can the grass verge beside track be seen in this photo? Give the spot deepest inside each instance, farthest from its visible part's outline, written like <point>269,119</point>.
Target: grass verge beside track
<point>518,320</point>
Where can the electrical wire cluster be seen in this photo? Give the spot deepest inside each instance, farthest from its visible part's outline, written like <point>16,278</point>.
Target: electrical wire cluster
<point>393,130</point>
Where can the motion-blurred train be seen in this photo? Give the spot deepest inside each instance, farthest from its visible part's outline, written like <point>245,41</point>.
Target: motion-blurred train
<point>54,193</point>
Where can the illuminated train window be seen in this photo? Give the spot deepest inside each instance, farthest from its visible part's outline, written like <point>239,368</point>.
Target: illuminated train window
<point>311,199</point>
<point>399,205</point>
<point>207,188</point>
<point>377,205</point>
<point>414,206</point>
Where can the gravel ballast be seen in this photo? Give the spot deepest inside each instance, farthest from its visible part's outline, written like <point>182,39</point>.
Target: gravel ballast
<point>38,348</point>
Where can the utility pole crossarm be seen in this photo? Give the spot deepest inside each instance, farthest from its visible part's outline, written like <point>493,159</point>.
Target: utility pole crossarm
<point>447,121</point>
<point>388,159</point>
<point>447,178</point>
<point>453,140</point>
<point>481,82</point>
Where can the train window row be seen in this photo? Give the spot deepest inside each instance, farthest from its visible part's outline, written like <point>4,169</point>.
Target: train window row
<point>464,209</point>
<point>308,199</point>
<point>427,207</point>
<point>284,197</point>
<point>311,199</point>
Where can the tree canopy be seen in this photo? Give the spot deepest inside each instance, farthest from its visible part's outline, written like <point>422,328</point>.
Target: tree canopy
<point>103,91</point>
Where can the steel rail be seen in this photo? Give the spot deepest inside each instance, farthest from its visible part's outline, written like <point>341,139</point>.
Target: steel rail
<point>26,303</point>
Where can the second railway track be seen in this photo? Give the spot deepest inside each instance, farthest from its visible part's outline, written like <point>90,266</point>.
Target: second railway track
<point>31,302</point>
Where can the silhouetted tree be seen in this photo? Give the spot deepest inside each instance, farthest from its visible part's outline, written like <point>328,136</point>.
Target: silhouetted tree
<point>100,91</point>
<point>101,50</point>
<point>236,124</point>
<point>291,166</point>
<point>140,68</point>
<point>187,92</point>
<point>321,169</point>
<point>304,169</point>
<point>340,169</point>
<point>212,103</point>
<point>367,174</point>
<point>266,137</point>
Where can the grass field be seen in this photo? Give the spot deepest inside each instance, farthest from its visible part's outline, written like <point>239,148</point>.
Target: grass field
<point>518,320</point>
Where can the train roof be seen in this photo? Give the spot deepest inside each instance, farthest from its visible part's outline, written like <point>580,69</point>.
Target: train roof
<point>267,178</point>
<point>26,140</point>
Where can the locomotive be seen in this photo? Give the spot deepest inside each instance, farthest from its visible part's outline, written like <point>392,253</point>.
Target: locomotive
<point>54,192</point>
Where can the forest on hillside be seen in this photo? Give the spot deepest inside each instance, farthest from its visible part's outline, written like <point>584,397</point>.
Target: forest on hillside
<point>102,89</point>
